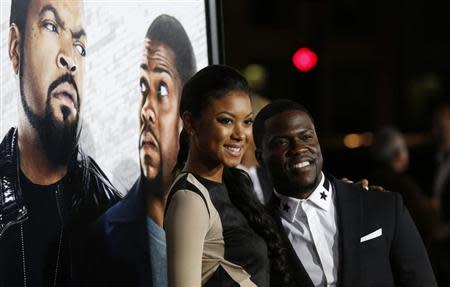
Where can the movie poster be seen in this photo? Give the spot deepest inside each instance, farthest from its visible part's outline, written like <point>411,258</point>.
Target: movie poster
<point>123,94</point>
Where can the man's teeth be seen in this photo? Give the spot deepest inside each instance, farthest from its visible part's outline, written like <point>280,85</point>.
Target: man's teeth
<point>301,164</point>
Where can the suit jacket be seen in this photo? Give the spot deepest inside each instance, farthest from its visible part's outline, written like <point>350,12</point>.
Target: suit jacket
<point>120,250</point>
<point>396,258</point>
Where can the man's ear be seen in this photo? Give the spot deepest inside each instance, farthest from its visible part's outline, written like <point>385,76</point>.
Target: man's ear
<point>14,39</point>
<point>258,155</point>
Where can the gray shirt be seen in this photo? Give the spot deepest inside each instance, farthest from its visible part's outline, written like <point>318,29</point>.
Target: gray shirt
<point>158,255</point>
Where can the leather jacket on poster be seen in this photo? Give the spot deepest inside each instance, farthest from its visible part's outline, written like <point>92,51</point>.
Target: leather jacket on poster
<point>87,194</point>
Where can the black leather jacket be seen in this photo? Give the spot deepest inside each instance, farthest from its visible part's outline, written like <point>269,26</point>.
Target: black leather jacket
<point>86,189</point>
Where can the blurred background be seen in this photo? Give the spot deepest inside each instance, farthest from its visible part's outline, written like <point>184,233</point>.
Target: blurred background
<point>379,62</point>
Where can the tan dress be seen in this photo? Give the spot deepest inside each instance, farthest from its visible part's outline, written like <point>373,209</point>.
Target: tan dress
<point>196,243</point>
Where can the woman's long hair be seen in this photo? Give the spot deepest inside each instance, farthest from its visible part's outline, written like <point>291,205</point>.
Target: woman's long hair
<point>214,82</point>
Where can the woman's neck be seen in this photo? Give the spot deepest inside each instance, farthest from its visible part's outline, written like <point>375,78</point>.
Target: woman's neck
<point>201,167</point>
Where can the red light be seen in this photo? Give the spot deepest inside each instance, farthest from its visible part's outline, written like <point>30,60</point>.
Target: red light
<point>304,59</point>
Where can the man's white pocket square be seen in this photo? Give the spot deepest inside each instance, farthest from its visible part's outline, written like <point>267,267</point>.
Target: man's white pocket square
<point>372,235</point>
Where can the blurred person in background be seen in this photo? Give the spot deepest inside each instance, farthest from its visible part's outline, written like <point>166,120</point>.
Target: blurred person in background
<point>441,175</point>
<point>440,184</point>
<point>391,157</point>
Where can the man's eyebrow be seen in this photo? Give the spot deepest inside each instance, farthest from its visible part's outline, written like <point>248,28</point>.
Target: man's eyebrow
<point>78,34</point>
<point>144,67</point>
<point>156,69</point>
<point>275,137</point>
<point>284,134</point>
<point>52,9</point>
<point>162,70</point>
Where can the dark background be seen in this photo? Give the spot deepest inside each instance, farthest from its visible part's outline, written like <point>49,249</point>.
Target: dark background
<point>379,62</point>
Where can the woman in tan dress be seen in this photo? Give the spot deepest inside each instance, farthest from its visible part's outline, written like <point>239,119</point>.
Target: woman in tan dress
<point>217,233</point>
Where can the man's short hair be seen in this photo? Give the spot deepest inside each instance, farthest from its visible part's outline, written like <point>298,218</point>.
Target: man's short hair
<point>169,31</point>
<point>19,13</point>
<point>274,108</point>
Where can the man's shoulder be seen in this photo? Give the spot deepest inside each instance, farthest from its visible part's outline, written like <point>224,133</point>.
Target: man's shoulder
<point>341,186</point>
<point>7,146</point>
<point>94,179</point>
<point>129,208</point>
<point>374,198</point>
<point>111,213</point>
<point>91,192</point>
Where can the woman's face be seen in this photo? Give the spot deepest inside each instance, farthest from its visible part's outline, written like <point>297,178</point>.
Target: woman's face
<point>222,133</point>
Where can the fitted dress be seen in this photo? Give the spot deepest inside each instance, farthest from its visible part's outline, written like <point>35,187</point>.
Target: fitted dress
<point>209,241</point>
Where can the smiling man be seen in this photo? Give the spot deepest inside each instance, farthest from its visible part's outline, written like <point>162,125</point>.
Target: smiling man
<point>337,234</point>
<point>49,190</point>
<point>130,234</point>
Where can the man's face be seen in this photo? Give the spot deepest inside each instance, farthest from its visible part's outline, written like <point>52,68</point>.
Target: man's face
<point>160,123</point>
<point>51,73</point>
<point>291,152</point>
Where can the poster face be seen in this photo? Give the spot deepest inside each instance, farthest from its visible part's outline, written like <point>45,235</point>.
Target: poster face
<point>138,55</point>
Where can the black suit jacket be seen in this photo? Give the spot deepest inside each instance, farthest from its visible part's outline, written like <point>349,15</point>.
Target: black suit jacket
<point>119,253</point>
<point>396,258</point>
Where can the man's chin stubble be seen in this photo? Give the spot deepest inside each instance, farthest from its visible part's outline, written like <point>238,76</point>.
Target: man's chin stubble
<point>57,139</point>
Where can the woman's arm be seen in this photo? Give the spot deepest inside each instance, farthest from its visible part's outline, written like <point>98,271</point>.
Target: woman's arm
<point>186,224</point>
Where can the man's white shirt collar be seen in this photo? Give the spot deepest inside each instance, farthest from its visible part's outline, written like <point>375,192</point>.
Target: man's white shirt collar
<point>311,227</point>
<point>321,197</point>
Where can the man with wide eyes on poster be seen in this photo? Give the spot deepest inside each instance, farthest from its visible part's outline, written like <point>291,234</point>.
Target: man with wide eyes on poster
<point>50,191</point>
<point>129,236</point>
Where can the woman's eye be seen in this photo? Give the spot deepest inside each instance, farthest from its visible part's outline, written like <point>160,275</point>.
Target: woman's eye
<point>80,49</point>
<point>163,91</point>
<point>50,26</point>
<point>144,87</point>
<point>226,121</point>
<point>249,122</point>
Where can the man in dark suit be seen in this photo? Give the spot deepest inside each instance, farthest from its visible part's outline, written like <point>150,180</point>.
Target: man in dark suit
<point>337,233</point>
